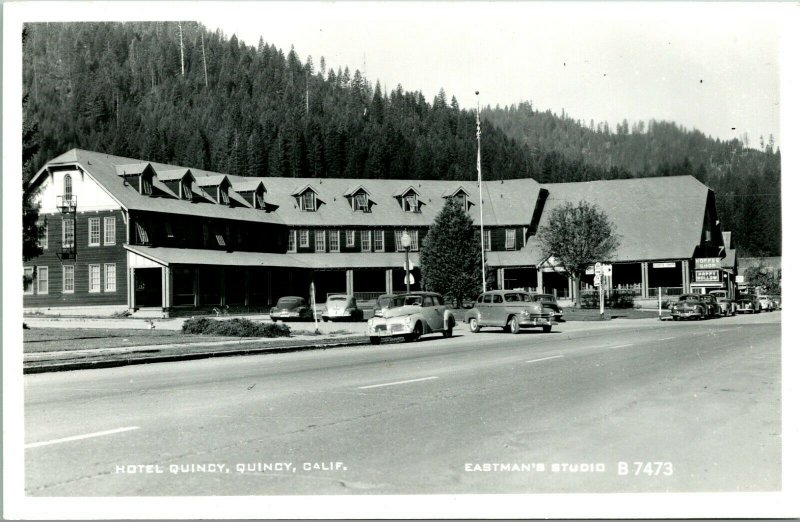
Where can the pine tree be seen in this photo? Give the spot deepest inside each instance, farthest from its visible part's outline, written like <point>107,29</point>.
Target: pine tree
<point>450,258</point>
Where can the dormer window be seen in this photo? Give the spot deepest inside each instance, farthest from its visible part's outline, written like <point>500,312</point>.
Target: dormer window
<point>461,200</point>
<point>410,203</point>
<point>360,203</point>
<point>145,185</point>
<point>186,190</point>
<point>224,199</point>
<point>308,201</point>
<point>259,200</point>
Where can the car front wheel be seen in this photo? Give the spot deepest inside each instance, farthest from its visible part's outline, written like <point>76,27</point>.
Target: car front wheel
<point>375,340</point>
<point>474,327</point>
<point>448,332</point>
<point>546,329</point>
<point>513,325</point>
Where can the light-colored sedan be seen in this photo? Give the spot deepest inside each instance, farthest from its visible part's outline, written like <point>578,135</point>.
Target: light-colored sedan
<point>510,311</point>
<point>411,316</point>
<point>342,306</point>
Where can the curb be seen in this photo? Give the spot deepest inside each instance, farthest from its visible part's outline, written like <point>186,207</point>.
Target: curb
<point>122,361</point>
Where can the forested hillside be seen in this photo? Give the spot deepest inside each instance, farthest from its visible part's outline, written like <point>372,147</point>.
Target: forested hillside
<point>177,93</point>
<point>746,181</point>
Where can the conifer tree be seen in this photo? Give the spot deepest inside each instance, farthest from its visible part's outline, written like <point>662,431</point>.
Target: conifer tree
<point>450,259</point>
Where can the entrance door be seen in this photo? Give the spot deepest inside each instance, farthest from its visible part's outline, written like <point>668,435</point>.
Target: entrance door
<point>147,283</point>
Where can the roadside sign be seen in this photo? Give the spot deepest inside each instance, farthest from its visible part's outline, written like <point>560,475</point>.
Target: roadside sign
<point>740,279</point>
<point>598,267</point>
<point>597,279</point>
<point>607,270</point>
<point>409,279</point>
<point>410,265</point>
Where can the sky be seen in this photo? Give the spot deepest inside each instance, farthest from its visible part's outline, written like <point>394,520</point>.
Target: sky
<point>713,66</point>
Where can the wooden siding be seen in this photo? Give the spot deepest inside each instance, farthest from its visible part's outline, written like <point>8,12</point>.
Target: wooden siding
<point>85,256</point>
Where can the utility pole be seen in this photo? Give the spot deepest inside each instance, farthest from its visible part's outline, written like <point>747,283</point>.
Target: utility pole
<point>180,35</point>
<point>480,190</point>
<point>306,93</point>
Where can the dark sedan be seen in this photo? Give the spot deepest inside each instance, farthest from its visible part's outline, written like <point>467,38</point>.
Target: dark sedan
<point>291,308</point>
<point>748,303</point>
<point>695,306</point>
<point>549,302</point>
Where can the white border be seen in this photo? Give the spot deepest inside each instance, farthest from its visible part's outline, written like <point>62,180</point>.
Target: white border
<point>16,505</point>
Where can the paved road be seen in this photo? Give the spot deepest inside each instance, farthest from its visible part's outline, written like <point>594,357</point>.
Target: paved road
<point>700,398</point>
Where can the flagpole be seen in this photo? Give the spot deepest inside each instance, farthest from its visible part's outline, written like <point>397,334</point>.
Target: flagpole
<point>480,189</point>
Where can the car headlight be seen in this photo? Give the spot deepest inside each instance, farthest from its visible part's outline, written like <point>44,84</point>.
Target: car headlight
<point>525,313</point>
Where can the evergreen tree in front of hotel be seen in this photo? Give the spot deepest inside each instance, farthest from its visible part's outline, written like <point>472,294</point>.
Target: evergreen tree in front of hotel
<point>450,259</point>
<point>578,237</point>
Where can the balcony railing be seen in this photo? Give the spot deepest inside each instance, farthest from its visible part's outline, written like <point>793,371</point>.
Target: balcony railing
<point>67,204</point>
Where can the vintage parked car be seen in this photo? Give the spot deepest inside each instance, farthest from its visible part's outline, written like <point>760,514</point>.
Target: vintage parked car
<point>748,303</point>
<point>383,303</point>
<point>342,306</point>
<point>291,308</point>
<point>766,302</point>
<point>777,300</point>
<point>411,316</point>
<point>509,310</point>
<point>695,306</point>
<point>549,302</point>
<point>727,306</point>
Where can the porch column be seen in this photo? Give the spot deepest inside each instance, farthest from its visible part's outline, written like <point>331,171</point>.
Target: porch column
<point>349,281</point>
<point>685,274</point>
<point>166,288</point>
<point>539,281</point>
<point>570,287</point>
<point>501,276</point>
<point>645,281</point>
<point>196,286</point>
<point>132,288</point>
<point>388,280</point>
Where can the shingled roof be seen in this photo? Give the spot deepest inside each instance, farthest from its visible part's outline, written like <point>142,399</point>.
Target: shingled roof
<point>656,218</point>
<point>104,169</point>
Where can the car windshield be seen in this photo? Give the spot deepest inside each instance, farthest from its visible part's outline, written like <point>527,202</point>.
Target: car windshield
<point>337,298</point>
<point>688,297</point>
<point>544,298</point>
<point>412,300</point>
<point>288,302</point>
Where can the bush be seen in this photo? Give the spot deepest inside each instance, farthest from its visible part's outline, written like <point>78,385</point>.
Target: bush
<point>616,299</point>
<point>234,328</point>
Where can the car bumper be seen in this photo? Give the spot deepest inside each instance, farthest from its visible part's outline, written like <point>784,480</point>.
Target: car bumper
<point>685,315</point>
<point>533,320</point>
<point>285,315</point>
<point>384,329</point>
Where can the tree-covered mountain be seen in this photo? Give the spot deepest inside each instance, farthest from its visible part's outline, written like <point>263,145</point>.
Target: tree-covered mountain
<point>746,181</point>
<point>178,93</point>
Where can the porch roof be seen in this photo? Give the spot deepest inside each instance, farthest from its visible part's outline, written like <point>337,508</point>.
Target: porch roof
<point>189,256</point>
<point>357,260</point>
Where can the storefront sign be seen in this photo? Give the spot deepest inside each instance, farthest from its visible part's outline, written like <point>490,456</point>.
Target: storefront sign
<point>739,279</point>
<point>707,263</point>
<point>664,265</point>
<point>706,275</point>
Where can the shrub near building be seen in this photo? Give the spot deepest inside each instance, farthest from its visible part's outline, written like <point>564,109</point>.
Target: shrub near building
<point>234,328</point>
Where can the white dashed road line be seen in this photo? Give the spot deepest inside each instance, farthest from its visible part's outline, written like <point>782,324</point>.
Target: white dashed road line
<point>80,437</point>
<point>545,358</point>
<point>620,346</point>
<point>666,338</point>
<point>394,383</point>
